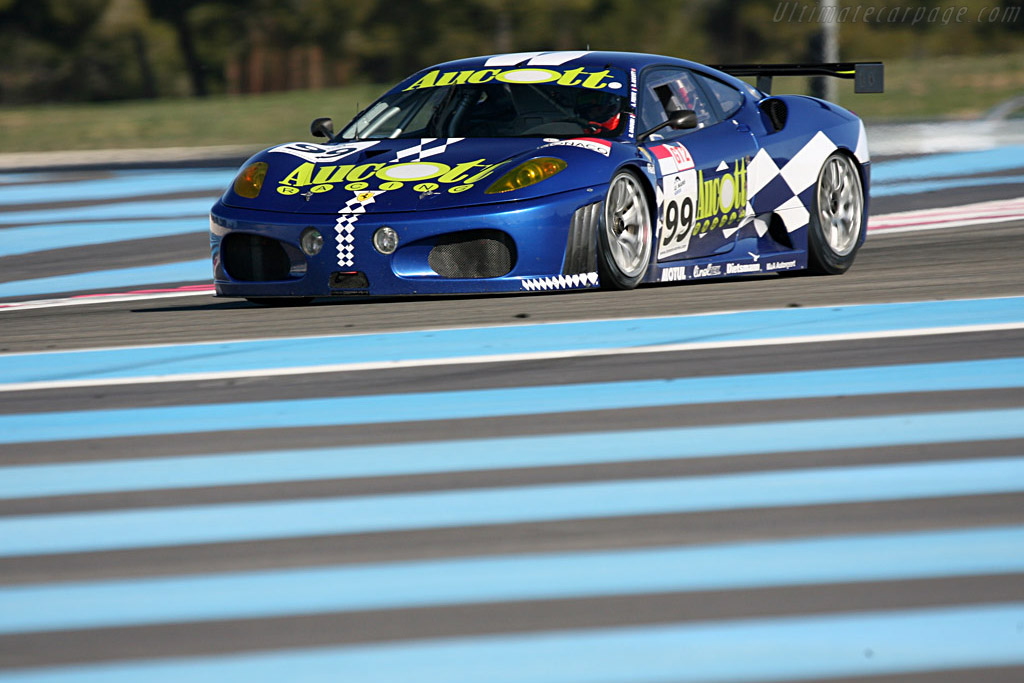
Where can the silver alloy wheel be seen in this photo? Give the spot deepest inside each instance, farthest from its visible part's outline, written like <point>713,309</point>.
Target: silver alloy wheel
<point>840,204</point>
<point>627,225</point>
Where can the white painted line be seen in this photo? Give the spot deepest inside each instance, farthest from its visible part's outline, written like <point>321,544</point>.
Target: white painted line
<point>998,211</point>
<point>941,226</point>
<point>103,299</point>
<point>505,358</point>
<point>495,326</point>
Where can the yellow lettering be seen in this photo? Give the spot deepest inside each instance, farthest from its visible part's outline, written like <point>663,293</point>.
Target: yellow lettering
<point>484,75</point>
<point>454,78</point>
<point>487,170</point>
<point>322,174</point>
<point>458,173</point>
<point>570,77</point>
<point>594,80</point>
<point>427,81</point>
<point>528,76</point>
<point>302,175</point>
<point>339,176</point>
<point>413,171</point>
<point>363,172</point>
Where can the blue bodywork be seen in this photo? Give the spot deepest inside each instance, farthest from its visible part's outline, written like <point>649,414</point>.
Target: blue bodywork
<point>743,184</point>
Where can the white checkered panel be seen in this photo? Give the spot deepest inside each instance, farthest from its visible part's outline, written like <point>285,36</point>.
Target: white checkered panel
<point>784,184</point>
<point>344,226</point>
<point>426,148</point>
<point>540,284</point>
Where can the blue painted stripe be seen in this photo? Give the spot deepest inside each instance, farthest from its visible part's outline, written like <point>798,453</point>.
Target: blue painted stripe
<point>145,209</point>
<point>204,524</point>
<point>7,178</point>
<point>304,591</point>
<point>65,479</point>
<point>28,240</point>
<point>950,164</point>
<point>452,343</point>
<point>184,271</point>
<point>451,405</point>
<point>937,185</point>
<point>126,184</point>
<point>765,649</point>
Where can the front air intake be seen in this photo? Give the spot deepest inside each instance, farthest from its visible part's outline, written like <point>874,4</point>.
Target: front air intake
<point>473,254</point>
<point>254,258</point>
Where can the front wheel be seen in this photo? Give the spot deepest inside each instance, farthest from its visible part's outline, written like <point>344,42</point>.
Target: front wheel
<point>625,234</point>
<point>837,216</point>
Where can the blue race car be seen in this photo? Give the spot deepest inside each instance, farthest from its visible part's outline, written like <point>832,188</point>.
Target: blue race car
<point>549,171</point>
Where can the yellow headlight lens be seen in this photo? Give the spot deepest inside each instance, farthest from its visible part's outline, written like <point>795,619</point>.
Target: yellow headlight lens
<point>250,181</point>
<point>526,174</point>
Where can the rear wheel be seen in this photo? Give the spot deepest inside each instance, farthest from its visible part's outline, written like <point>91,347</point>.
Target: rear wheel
<point>837,217</point>
<point>625,234</point>
<point>280,301</point>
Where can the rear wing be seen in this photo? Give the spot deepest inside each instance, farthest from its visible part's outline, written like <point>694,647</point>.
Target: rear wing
<point>868,77</point>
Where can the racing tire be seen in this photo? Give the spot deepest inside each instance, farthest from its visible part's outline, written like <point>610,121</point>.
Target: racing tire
<point>625,234</point>
<point>837,217</point>
<point>279,301</point>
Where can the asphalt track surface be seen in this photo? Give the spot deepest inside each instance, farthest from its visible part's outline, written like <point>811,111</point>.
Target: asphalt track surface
<point>660,492</point>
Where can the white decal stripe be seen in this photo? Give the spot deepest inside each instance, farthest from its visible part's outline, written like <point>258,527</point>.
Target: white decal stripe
<point>794,214</point>
<point>511,59</point>
<point>802,170</point>
<point>861,152</point>
<point>761,170</point>
<point>513,357</point>
<point>556,58</point>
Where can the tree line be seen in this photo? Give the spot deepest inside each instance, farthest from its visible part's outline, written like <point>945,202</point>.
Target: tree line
<point>95,50</point>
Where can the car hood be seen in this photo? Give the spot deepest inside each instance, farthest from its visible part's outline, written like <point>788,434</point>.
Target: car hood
<point>420,174</point>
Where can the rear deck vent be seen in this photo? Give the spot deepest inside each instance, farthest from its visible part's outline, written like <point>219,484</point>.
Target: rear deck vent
<point>254,258</point>
<point>777,113</point>
<point>473,254</point>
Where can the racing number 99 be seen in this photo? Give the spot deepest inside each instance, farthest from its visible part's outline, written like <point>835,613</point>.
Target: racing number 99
<point>678,221</point>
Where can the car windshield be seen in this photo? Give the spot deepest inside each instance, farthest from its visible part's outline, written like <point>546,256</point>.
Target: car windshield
<point>492,110</point>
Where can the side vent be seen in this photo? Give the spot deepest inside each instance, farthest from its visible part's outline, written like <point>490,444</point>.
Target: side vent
<point>777,112</point>
<point>254,258</point>
<point>473,254</point>
<point>581,245</point>
<point>777,231</point>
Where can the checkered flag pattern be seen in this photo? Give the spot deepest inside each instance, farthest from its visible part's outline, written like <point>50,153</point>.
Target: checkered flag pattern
<point>427,147</point>
<point>771,187</point>
<point>540,284</point>
<point>344,227</point>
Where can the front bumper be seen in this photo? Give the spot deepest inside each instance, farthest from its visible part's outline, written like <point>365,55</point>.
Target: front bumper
<point>540,233</point>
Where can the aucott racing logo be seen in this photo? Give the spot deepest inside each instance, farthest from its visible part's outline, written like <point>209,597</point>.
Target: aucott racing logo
<point>723,198</point>
<point>595,80</point>
<point>428,176</point>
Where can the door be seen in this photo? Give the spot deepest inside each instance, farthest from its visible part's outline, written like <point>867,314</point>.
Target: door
<point>702,172</point>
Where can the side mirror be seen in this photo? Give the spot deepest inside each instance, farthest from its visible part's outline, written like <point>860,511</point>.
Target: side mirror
<point>678,119</point>
<point>322,127</point>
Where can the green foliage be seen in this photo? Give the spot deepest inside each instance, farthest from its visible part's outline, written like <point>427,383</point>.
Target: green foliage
<point>98,50</point>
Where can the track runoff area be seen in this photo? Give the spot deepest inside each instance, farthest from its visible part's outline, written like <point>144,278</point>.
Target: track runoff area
<point>717,485</point>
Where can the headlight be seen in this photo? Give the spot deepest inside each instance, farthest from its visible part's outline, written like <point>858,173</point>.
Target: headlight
<point>311,241</point>
<point>250,181</point>
<point>385,240</point>
<point>526,174</point>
